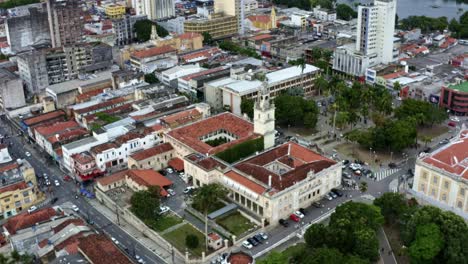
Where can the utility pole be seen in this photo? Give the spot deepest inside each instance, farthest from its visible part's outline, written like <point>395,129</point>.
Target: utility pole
<point>173,254</point>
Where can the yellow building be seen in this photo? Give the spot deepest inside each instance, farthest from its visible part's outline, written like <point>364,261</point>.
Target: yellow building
<point>184,42</point>
<point>218,25</point>
<point>18,189</point>
<point>115,11</point>
<point>264,22</point>
<point>441,177</point>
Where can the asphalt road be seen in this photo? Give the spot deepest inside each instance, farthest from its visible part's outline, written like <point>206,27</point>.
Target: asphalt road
<point>66,193</point>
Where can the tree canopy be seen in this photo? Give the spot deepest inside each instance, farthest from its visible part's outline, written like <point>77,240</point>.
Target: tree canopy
<point>295,110</point>
<point>151,78</point>
<point>145,204</point>
<point>426,24</point>
<point>15,3</point>
<point>233,47</point>
<point>207,38</point>
<point>144,27</point>
<point>345,12</point>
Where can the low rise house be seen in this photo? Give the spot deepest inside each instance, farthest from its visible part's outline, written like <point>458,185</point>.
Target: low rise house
<point>100,249</point>
<point>156,158</point>
<point>29,124</point>
<point>18,187</point>
<point>149,60</point>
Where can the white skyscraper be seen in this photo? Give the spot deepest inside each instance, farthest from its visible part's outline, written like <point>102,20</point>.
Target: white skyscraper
<point>374,39</point>
<point>154,9</point>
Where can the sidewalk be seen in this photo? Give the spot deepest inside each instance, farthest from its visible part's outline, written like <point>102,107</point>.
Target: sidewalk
<point>129,229</point>
<point>385,257</point>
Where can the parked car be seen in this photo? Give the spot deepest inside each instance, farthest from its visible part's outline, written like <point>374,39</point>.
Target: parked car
<point>169,170</point>
<point>28,154</point>
<point>75,208</point>
<point>454,119</point>
<point>171,192</point>
<point>57,183</point>
<point>115,241</point>
<point>189,189</point>
<point>67,178</point>
<point>452,124</point>
<point>163,209</point>
<point>333,195</point>
<point>357,172</point>
<point>299,214</point>
<point>54,200</point>
<point>284,222</point>
<point>32,209</point>
<point>355,166</point>
<point>318,205</point>
<point>328,197</point>
<point>392,165</point>
<point>263,235</point>
<point>345,162</point>
<point>247,245</point>
<point>346,175</point>
<point>258,238</point>
<point>337,192</point>
<point>294,217</point>
<point>303,211</point>
<point>252,241</point>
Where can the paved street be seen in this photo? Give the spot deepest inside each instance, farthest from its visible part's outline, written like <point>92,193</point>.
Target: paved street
<point>66,193</point>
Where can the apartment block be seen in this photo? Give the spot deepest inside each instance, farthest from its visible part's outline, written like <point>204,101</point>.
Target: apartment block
<point>123,29</point>
<point>66,21</point>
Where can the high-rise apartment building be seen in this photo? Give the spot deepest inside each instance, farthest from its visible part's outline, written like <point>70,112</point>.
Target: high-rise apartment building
<point>229,8</point>
<point>66,21</point>
<point>154,9</point>
<point>123,29</point>
<point>374,40</point>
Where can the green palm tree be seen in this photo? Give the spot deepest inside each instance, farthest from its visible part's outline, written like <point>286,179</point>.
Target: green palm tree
<point>363,187</point>
<point>321,84</point>
<point>205,199</point>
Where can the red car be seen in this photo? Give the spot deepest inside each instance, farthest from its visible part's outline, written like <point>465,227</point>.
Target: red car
<point>295,218</point>
<point>67,178</point>
<point>452,124</point>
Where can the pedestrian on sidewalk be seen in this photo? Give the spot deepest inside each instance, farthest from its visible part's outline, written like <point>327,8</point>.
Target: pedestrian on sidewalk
<point>382,249</point>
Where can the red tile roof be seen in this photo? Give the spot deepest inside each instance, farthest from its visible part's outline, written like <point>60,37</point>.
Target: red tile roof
<point>252,185</point>
<point>177,164</point>
<point>207,53</point>
<point>151,52</point>
<point>300,160</point>
<point>182,118</point>
<point>75,221</point>
<point>452,158</point>
<point>99,249</point>
<point>25,220</point>
<point>112,178</point>
<point>127,137</point>
<point>261,37</point>
<point>68,135</point>
<point>43,117</point>
<point>82,158</point>
<point>13,187</point>
<point>190,135</point>
<point>189,35</point>
<point>202,73</point>
<point>103,147</point>
<point>393,75</point>
<point>9,167</point>
<point>87,95</point>
<point>147,153</point>
<point>260,18</point>
<point>240,258</point>
<point>142,177</point>
<point>56,128</point>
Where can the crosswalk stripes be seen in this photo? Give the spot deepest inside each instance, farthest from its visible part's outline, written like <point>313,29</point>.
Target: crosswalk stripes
<point>394,189</point>
<point>384,174</point>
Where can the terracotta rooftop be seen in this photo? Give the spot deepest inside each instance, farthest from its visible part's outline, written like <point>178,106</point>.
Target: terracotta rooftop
<point>25,220</point>
<point>87,95</point>
<point>394,75</point>
<point>152,52</point>
<point>260,18</point>
<point>67,135</point>
<point>190,135</point>
<point>207,53</point>
<point>240,258</point>
<point>142,177</point>
<point>43,117</point>
<point>103,147</point>
<point>453,157</point>
<point>207,163</point>
<point>13,187</point>
<point>261,37</point>
<point>177,164</point>
<point>189,35</point>
<point>252,185</point>
<point>214,236</point>
<point>159,149</point>
<point>202,73</point>
<point>9,167</point>
<point>99,249</point>
<point>127,137</point>
<point>56,128</point>
<point>182,118</point>
<point>299,159</point>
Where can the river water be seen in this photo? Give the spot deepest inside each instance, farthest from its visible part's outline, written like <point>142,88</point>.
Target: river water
<point>405,8</point>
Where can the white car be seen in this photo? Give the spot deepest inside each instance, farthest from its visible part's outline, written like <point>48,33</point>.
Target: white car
<point>328,197</point>
<point>171,192</point>
<point>75,208</point>
<point>57,183</point>
<point>164,209</point>
<point>169,170</point>
<point>32,209</point>
<point>454,119</point>
<point>115,240</point>
<point>263,235</point>
<point>299,214</point>
<point>28,154</point>
<point>189,189</point>
<point>247,245</point>
<point>355,166</point>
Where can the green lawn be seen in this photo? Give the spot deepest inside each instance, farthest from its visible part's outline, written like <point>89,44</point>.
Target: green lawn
<point>164,222</point>
<point>235,223</point>
<point>177,239</point>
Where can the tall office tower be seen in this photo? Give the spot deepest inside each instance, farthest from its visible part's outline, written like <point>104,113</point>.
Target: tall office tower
<point>66,21</point>
<point>155,9</point>
<point>374,41</point>
<point>376,25</point>
<point>230,8</point>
